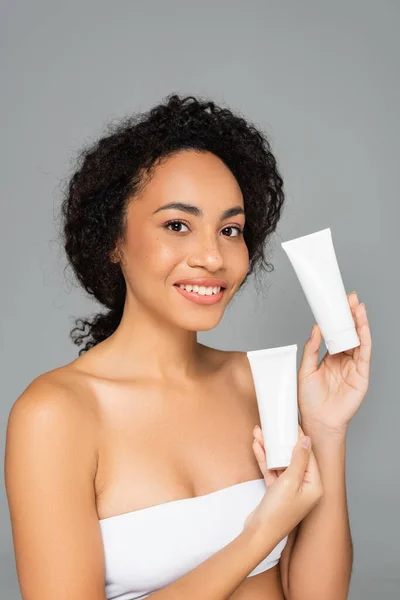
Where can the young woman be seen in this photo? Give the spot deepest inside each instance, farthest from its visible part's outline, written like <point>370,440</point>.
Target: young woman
<point>131,471</point>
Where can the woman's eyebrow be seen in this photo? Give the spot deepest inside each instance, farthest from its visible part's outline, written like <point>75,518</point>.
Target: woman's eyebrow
<point>197,212</point>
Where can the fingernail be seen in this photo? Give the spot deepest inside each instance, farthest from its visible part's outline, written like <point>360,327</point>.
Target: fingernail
<point>312,331</point>
<point>306,443</point>
<point>354,292</point>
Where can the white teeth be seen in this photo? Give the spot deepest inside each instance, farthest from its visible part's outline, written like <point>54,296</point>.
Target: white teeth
<point>201,289</point>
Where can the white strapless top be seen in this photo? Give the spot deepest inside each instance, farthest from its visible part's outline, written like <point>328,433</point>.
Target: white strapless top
<point>149,548</point>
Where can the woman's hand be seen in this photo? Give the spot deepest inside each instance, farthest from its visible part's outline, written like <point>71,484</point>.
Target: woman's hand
<point>271,475</point>
<point>329,394</point>
<point>292,492</point>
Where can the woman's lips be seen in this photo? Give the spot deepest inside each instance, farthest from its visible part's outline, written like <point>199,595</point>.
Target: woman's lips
<point>195,297</point>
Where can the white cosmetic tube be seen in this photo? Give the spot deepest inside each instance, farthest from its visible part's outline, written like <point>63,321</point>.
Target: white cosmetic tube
<point>275,380</point>
<point>315,263</point>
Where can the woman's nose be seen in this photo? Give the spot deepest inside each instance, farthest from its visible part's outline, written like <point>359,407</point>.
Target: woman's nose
<point>206,254</point>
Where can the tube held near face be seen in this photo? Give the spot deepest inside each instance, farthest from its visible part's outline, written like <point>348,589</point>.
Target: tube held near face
<point>315,263</point>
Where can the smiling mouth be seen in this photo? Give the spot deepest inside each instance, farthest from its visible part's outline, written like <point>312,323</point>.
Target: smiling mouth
<point>201,290</point>
<point>199,296</point>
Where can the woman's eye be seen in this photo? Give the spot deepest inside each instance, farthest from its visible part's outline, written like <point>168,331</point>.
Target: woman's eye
<point>176,225</point>
<point>230,227</point>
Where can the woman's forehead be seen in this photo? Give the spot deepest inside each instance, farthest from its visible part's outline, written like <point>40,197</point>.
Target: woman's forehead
<point>199,179</point>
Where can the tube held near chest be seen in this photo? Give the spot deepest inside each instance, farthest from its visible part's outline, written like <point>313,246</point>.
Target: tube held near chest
<point>274,373</point>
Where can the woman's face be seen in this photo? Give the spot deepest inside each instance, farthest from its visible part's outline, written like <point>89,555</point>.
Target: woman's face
<point>196,240</point>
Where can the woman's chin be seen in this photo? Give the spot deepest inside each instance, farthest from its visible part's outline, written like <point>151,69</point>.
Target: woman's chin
<point>201,323</point>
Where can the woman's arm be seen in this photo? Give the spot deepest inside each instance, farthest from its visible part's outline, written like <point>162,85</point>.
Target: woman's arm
<point>321,559</point>
<point>220,575</point>
<point>284,561</point>
<point>50,464</point>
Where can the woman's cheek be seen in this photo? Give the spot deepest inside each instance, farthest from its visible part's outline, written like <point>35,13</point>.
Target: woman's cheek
<point>241,262</point>
<point>161,260</point>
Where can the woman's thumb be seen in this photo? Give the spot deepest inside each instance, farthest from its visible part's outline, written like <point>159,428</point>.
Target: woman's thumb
<point>300,456</point>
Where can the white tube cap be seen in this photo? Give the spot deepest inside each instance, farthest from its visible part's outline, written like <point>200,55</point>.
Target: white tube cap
<point>342,340</point>
<point>279,458</point>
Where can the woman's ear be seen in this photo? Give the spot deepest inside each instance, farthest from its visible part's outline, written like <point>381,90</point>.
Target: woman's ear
<point>116,255</point>
<point>113,257</point>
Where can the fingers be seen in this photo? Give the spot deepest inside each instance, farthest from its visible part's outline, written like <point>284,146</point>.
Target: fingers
<point>365,349</point>
<point>312,461</point>
<point>270,475</point>
<point>260,455</point>
<point>361,354</point>
<point>309,361</point>
<point>353,302</point>
<point>301,432</point>
<point>299,462</point>
<point>304,461</point>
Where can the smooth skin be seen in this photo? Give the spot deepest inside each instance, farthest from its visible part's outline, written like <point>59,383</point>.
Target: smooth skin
<point>149,415</point>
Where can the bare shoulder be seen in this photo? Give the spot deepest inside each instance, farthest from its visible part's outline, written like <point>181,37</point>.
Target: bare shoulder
<point>51,408</point>
<point>61,391</point>
<point>50,465</point>
<point>54,406</point>
<point>52,414</point>
<point>242,372</point>
<point>236,365</point>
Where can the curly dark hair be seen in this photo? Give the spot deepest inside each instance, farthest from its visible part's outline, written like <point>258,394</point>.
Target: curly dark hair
<point>115,168</point>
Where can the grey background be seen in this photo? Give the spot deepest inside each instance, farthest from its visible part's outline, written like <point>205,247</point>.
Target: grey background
<point>322,80</point>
